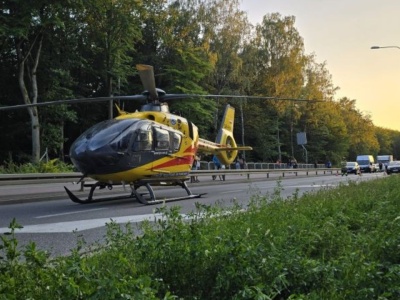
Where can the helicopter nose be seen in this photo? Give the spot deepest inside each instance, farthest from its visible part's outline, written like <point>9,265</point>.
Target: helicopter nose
<point>94,152</point>
<point>89,161</point>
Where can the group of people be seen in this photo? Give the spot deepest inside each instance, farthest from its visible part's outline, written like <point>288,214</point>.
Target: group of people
<point>240,163</point>
<point>291,163</point>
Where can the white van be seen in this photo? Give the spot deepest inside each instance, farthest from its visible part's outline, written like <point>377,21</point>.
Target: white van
<point>384,160</point>
<point>367,163</point>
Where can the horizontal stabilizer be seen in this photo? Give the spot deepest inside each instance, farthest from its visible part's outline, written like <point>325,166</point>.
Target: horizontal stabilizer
<point>233,148</point>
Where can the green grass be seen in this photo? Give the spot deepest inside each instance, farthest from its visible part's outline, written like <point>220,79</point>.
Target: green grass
<point>340,243</point>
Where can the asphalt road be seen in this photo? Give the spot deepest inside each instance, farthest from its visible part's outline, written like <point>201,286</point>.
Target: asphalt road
<point>55,224</point>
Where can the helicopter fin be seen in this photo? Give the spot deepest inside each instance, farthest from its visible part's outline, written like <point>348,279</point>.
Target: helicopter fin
<point>224,147</point>
<point>225,138</point>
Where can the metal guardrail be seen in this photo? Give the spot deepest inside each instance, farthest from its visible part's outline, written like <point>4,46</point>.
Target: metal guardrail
<point>209,165</point>
<point>33,176</point>
<point>249,172</point>
<point>60,177</point>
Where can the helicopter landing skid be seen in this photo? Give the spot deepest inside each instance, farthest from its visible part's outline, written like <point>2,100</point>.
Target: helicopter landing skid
<point>141,197</point>
<point>151,198</point>
<point>90,199</point>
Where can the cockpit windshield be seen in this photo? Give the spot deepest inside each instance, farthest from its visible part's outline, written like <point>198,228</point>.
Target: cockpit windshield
<point>128,135</point>
<point>104,132</point>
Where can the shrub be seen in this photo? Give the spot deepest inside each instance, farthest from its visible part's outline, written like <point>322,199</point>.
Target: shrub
<point>337,243</point>
<point>52,166</point>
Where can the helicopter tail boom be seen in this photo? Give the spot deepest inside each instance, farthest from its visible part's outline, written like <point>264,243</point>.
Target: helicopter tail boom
<point>215,148</point>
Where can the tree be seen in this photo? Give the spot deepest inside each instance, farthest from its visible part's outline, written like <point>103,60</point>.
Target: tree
<point>184,59</point>
<point>318,86</point>
<point>26,25</point>
<point>361,132</point>
<point>110,31</point>
<point>276,58</point>
<point>385,139</point>
<point>326,131</point>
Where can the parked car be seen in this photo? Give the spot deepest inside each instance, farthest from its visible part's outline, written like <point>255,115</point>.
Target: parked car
<point>393,167</point>
<point>352,167</point>
<point>367,163</point>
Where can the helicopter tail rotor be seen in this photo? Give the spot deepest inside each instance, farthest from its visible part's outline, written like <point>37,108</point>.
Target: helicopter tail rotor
<point>225,147</point>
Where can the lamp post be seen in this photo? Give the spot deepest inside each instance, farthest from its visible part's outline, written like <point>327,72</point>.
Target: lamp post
<point>381,47</point>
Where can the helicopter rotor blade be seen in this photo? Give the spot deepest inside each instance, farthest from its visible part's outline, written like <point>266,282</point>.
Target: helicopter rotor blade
<point>166,97</point>
<point>146,74</point>
<point>152,94</point>
<point>72,101</point>
<point>181,96</point>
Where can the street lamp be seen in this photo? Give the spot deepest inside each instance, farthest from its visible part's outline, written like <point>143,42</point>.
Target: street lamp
<point>379,47</point>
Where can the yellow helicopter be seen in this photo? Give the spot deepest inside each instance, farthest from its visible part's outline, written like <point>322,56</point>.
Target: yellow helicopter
<point>150,147</point>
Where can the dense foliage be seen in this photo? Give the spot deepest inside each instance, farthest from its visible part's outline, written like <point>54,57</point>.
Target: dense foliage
<point>51,51</point>
<point>337,243</point>
<point>51,166</point>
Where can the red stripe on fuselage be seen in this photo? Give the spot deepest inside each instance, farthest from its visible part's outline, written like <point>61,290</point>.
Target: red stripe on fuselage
<point>183,160</point>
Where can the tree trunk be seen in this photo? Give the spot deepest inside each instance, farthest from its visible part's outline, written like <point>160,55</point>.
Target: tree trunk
<point>62,156</point>
<point>35,128</point>
<point>33,111</point>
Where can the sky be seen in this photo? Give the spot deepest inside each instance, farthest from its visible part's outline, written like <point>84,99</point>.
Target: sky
<point>341,33</point>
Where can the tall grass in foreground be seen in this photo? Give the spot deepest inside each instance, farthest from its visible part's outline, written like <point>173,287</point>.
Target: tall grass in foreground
<point>340,243</point>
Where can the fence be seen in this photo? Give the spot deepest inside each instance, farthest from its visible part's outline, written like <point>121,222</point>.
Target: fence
<point>262,166</point>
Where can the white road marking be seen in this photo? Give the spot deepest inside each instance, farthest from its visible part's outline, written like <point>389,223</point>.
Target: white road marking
<point>68,213</point>
<point>232,191</point>
<point>68,227</point>
<point>311,185</point>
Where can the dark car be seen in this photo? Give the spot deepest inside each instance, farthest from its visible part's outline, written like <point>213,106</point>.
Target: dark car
<point>393,167</point>
<point>352,167</point>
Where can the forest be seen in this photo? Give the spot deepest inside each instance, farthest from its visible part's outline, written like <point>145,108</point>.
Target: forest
<point>53,50</point>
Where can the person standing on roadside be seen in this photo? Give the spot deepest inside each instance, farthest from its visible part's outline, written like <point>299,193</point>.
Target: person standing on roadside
<point>237,164</point>
<point>195,167</point>
<point>222,177</point>
<point>242,163</point>
<point>217,166</point>
<point>343,167</point>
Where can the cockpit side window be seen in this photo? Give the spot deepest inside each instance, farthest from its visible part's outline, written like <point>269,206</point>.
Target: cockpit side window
<point>161,139</point>
<point>177,139</point>
<point>144,140</point>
